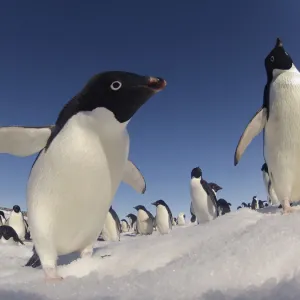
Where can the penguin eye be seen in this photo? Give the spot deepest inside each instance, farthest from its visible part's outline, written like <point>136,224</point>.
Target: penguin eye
<point>116,85</point>
<point>272,58</point>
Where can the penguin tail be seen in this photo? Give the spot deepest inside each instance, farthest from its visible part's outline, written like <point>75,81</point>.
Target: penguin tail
<point>34,260</point>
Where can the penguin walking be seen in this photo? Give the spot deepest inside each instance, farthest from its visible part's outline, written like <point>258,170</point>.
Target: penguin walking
<point>81,162</point>
<point>181,219</point>
<point>144,220</point>
<point>223,206</point>
<point>7,234</point>
<point>163,217</point>
<point>112,227</point>
<point>268,184</point>
<point>132,218</point>
<point>125,227</point>
<point>203,197</point>
<point>279,117</point>
<point>254,203</point>
<point>17,222</point>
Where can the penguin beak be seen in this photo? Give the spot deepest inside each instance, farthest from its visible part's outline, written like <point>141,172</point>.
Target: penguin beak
<point>156,84</point>
<point>154,203</point>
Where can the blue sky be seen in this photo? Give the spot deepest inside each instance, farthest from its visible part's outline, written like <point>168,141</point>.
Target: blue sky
<point>210,52</point>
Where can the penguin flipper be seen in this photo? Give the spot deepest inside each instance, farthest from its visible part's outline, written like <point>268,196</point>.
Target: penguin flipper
<point>23,141</point>
<point>211,194</point>
<point>133,177</point>
<point>254,127</point>
<point>34,260</point>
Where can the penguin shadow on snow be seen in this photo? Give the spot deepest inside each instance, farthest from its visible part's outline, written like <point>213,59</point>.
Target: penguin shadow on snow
<point>271,290</point>
<point>12,295</point>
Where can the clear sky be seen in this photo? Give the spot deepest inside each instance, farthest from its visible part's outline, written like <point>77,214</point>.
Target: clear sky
<point>210,52</point>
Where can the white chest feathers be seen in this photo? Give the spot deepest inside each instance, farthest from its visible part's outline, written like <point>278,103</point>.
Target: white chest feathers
<point>181,219</point>
<point>203,206</point>
<point>16,221</point>
<point>144,223</point>
<point>124,226</point>
<point>163,221</point>
<point>110,231</point>
<point>77,176</point>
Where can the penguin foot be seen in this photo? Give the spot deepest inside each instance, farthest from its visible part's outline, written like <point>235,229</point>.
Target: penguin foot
<point>51,275</point>
<point>87,252</point>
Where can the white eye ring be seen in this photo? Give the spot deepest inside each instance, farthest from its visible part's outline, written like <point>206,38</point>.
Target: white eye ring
<point>272,58</point>
<point>116,85</point>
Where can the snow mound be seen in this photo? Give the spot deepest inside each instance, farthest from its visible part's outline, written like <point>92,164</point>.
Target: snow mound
<point>240,256</point>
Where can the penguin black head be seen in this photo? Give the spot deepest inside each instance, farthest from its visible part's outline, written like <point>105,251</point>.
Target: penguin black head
<point>196,172</point>
<point>265,168</point>
<point>215,186</point>
<point>16,208</point>
<point>142,207</point>
<point>254,198</point>
<point>159,202</point>
<point>122,93</point>
<point>277,59</point>
<point>131,216</point>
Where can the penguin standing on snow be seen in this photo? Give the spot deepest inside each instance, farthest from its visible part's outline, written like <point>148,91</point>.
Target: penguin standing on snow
<point>203,197</point>
<point>16,221</point>
<point>81,162</point>
<point>279,116</point>
<point>268,184</point>
<point>254,203</point>
<point>125,227</point>
<point>112,227</point>
<point>181,219</point>
<point>174,221</point>
<point>144,220</point>
<point>261,203</point>
<point>7,233</point>
<point>163,217</point>
<point>132,218</point>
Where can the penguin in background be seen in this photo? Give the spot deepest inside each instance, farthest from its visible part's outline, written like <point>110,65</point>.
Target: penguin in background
<point>125,227</point>
<point>254,204</point>
<point>112,227</point>
<point>273,199</point>
<point>245,204</point>
<point>17,222</point>
<point>174,221</point>
<point>261,203</point>
<point>203,197</point>
<point>8,234</point>
<point>133,224</point>
<point>279,117</point>
<point>163,217</point>
<point>2,218</point>
<point>144,220</point>
<point>223,206</point>
<point>181,219</point>
<point>239,207</point>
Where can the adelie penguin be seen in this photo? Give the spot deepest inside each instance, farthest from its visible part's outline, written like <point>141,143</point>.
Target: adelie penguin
<point>163,217</point>
<point>2,218</point>
<point>203,197</point>
<point>279,117</point>
<point>132,218</point>
<point>268,184</point>
<point>17,222</point>
<point>223,206</point>
<point>215,187</point>
<point>144,220</point>
<point>181,219</point>
<point>125,227</point>
<point>112,227</point>
<point>254,203</point>
<point>82,160</point>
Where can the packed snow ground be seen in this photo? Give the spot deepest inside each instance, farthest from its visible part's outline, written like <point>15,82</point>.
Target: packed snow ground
<point>244,255</point>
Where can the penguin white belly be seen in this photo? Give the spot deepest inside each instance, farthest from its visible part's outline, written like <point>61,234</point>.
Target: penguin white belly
<point>144,223</point>
<point>180,221</point>
<point>202,204</point>
<point>110,231</point>
<point>282,140</point>
<point>163,222</point>
<point>77,176</point>
<point>124,226</point>
<point>17,223</point>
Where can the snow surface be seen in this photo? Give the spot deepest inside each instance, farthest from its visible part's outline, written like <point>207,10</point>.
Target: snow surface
<point>244,255</point>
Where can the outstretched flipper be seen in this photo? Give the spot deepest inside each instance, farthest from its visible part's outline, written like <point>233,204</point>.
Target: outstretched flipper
<point>23,141</point>
<point>133,177</point>
<point>254,127</point>
<point>34,261</point>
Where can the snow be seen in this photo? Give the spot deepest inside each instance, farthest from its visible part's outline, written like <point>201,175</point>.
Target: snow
<point>243,255</point>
